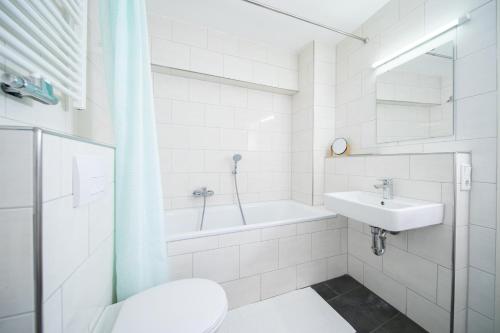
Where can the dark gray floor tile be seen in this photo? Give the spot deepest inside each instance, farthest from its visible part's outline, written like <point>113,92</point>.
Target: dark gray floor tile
<point>324,291</point>
<point>400,324</point>
<point>343,284</point>
<point>364,310</point>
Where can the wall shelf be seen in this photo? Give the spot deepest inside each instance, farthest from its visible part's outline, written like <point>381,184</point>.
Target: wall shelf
<point>218,79</point>
<point>405,103</point>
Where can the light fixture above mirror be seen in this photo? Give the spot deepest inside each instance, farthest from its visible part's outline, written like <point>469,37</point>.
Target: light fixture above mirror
<point>425,44</point>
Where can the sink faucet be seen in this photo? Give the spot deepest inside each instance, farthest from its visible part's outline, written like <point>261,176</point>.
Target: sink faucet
<point>387,188</point>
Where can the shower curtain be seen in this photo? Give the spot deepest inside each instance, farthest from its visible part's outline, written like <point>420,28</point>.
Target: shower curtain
<point>140,259</point>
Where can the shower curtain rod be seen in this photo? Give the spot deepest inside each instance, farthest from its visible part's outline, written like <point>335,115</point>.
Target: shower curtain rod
<point>279,11</point>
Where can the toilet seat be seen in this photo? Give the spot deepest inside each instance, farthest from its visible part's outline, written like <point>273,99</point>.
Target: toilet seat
<point>183,306</point>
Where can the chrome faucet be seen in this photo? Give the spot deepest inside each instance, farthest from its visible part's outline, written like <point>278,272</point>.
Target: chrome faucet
<point>203,192</point>
<point>387,188</point>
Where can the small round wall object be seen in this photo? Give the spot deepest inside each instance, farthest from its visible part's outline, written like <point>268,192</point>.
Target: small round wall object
<point>339,146</point>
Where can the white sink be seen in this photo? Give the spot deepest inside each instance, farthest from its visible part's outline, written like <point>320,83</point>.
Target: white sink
<point>397,214</point>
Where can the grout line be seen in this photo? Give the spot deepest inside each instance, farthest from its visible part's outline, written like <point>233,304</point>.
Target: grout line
<point>392,318</point>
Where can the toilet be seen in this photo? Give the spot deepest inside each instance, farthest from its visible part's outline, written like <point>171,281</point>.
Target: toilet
<point>187,306</point>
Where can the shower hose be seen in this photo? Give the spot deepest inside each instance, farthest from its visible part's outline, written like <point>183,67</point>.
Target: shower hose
<point>238,197</point>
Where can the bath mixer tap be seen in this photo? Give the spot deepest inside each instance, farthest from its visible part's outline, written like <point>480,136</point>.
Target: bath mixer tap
<point>203,192</point>
<point>387,188</point>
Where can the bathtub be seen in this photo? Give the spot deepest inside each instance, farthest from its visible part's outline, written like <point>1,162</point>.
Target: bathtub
<point>285,246</point>
<point>185,223</point>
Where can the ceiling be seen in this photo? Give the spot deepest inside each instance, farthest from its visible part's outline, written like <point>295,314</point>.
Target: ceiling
<point>252,22</point>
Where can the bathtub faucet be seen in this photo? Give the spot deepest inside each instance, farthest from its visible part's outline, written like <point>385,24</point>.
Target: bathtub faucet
<point>203,192</point>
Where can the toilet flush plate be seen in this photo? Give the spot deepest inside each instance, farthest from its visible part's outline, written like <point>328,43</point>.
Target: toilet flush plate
<point>397,214</point>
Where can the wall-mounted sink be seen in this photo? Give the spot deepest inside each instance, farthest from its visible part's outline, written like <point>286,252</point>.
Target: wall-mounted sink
<point>396,214</point>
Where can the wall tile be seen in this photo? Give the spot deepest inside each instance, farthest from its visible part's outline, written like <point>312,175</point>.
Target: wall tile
<point>219,265</point>
<point>258,257</point>
<point>482,248</point>
<point>279,282</point>
<point>413,271</point>
<point>390,290</point>
<point>482,292</point>
<point>311,272</point>
<point>237,68</point>
<point>479,32</point>
<point>81,308</point>
<point>189,34</point>
<point>62,255</point>
<point>16,268</point>
<point>475,73</point>
<point>360,246</point>
<point>21,323</point>
<point>192,245</point>
<point>294,250</point>
<point>208,62</point>
<point>476,116</point>
<point>326,244</point>
<point>427,314</point>
<point>16,170</point>
<point>355,268</point>
<point>434,167</point>
<point>52,313</point>
<point>180,267</point>
<point>388,166</point>
<point>243,291</point>
<point>483,204</point>
<point>282,231</point>
<point>444,288</point>
<point>476,322</point>
<point>169,54</point>
<point>238,238</point>
<point>336,266</point>
<point>433,243</point>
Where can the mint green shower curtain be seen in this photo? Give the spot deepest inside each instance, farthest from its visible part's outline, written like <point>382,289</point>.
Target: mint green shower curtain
<point>139,231</point>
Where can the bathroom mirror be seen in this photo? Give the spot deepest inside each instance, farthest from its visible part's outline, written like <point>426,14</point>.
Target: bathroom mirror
<point>415,100</point>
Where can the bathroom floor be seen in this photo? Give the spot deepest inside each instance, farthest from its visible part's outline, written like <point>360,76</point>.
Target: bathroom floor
<point>365,311</point>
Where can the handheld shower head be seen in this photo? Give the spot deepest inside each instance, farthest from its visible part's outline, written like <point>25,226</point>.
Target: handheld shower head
<point>236,159</point>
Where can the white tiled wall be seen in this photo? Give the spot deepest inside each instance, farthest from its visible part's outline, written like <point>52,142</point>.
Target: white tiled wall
<point>202,124</point>
<point>258,264</point>
<point>312,121</point>
<point>77,242</point>
<point>415,273</point>
<point>196,48</point>
<point>16,232</point>
<point>394,26</point>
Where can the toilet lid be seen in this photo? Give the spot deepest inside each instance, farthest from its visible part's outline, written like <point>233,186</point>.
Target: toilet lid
<point>187,306</point>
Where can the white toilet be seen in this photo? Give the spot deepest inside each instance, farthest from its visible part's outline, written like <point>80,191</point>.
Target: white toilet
<point>183,306</point>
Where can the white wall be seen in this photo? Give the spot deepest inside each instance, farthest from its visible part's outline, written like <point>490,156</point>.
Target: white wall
<point>16,232</point>
<point>189,46</point>
<point>398,23</point>
<point>312,121</point>
<point>78,243</point>
<point>202,124</point>
<point>414,274</point>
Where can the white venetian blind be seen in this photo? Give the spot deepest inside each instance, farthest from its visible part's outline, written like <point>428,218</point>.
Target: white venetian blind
<point>49,38</point>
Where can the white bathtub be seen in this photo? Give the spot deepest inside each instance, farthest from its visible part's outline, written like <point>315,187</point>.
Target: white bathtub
<point>185,223</point>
